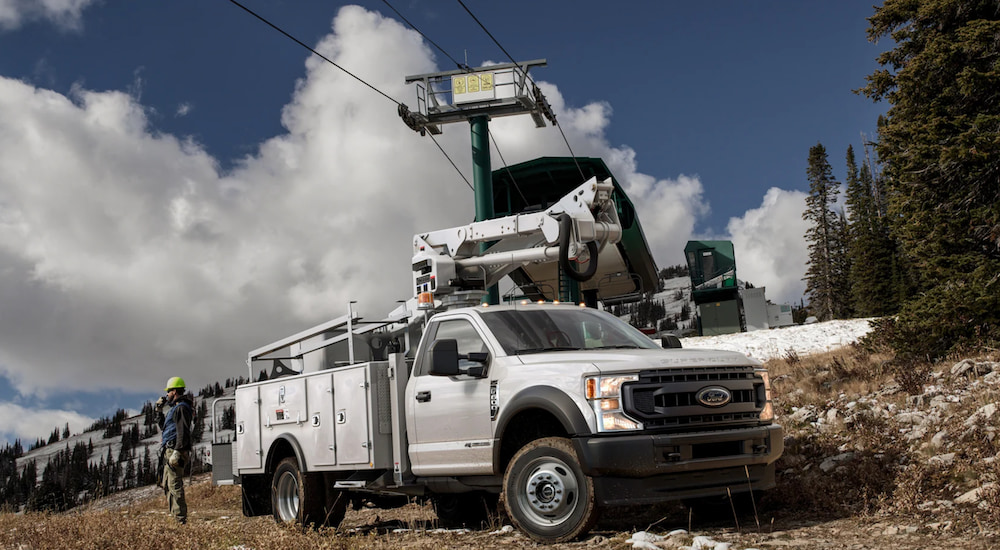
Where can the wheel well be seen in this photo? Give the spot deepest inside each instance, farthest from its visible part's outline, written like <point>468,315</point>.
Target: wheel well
<point>527,426</point>
<point>280,450</point>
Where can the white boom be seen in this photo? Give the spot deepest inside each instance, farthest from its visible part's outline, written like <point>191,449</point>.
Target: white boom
<point>576,228</point>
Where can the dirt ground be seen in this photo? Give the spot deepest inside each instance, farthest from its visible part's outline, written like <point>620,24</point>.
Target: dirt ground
<point>414,526</point>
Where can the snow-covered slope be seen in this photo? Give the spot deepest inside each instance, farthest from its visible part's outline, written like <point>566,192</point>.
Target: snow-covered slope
<point>798,339</point>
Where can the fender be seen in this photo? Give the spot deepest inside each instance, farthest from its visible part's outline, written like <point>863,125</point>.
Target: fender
<point>546,398</point>
<point>269,465</point>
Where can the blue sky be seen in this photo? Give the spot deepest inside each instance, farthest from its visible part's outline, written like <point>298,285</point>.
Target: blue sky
<point>180,183</point>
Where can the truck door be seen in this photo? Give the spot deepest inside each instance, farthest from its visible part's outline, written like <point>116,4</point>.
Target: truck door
<point>451,424</point>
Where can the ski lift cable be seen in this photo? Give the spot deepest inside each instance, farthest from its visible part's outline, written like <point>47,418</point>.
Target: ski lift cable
<point>349,73</point>
<point>507,168</point>
<point>461,66</point>
<point>511,58</point>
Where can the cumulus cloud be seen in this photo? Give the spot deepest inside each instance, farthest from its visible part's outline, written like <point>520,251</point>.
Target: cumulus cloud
<point>29,424</point>
<point>127,255</point>
<point>770,248</point>
<point>65,13</point>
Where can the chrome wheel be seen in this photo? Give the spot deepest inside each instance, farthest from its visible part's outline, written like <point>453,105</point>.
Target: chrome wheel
<point>549,491</point>
<point>286,496</point>
<point>546,493</point>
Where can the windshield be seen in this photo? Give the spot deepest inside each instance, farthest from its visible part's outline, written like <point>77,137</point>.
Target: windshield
<point>562,328</point>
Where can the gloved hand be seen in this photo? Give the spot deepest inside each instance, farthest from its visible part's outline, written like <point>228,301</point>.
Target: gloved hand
<point>174,458</point>
<point>161,402</point>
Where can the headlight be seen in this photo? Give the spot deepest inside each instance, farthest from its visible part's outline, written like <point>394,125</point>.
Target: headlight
<point>604,394</point>
<point>767,413</point>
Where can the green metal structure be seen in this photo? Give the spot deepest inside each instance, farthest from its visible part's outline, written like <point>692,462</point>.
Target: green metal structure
<point>712,268</point>
<point>625,271</point>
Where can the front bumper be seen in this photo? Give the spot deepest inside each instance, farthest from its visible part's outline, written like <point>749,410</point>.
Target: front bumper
<point>636,469</point>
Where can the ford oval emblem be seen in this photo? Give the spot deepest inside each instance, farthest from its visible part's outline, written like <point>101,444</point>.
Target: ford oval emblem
<point>714,396</point>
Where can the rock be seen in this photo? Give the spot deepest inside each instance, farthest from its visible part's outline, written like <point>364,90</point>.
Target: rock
<point>975,495</point>
<point>910,417</point>
<point>939,439</point>
<point>971,369</point>
<point>984,413</point>
<point>962,367</point>
<point>804,414</point>
<point>831,462</point>
<point>643,539</point>
<point>942,460</point>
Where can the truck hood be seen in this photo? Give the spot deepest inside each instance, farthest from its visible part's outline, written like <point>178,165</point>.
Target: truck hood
<point>631,360</point>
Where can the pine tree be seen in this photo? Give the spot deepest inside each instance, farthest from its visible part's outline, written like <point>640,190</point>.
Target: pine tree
<point>941,162</point>
<point>873,277</point>
<point>825,269</point>
<point>198,429</point>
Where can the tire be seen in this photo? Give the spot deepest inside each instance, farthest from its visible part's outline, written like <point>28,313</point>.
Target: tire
<point>470,510</point>
<point>297,497</point>
<point>546,494</point>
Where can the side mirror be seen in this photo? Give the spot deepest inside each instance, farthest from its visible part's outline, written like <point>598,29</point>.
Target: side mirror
<point>444,358</point>
<point>668,341</point>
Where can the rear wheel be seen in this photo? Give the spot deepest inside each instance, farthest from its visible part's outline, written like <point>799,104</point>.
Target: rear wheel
<point>302,497</point>
<point>546,494</point>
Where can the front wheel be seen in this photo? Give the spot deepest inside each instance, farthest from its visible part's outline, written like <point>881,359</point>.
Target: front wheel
<point>546,494</point>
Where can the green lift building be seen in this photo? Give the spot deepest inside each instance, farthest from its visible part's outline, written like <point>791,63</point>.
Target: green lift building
<point>715,291</point>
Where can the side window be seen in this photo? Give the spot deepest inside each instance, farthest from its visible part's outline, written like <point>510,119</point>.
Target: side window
<point>465,334</point>
<point>459,330</point>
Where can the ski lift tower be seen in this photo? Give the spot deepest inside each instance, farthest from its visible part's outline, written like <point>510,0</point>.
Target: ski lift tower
<point>476,95</point>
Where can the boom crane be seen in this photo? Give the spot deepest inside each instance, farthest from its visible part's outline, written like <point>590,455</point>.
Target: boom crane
<point>576,228</point>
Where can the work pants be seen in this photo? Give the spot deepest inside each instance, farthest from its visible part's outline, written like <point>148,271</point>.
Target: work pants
<point>173,486</point>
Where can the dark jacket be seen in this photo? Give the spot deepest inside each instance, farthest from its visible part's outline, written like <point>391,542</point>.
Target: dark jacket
<point>176,423</point>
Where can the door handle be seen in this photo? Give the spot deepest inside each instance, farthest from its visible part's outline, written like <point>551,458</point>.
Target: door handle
<point>423,396</point>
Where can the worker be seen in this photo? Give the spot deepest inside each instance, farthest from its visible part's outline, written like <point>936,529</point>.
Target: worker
<point>173,414</point>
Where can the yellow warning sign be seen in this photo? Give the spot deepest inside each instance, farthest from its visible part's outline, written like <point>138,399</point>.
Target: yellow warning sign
<point>468,88</point>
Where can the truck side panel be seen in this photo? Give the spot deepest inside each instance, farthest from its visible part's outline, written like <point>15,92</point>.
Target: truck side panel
<point>335,417</point>
<point>248,449</point>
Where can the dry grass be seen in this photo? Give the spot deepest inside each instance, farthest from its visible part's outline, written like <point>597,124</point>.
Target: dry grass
<point>138,520</point>
<point>818,378</point>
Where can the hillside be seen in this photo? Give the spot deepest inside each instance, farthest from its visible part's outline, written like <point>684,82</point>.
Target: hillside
<point>867,464</point>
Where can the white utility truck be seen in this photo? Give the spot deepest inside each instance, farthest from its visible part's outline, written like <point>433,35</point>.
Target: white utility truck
<point>556,411</point>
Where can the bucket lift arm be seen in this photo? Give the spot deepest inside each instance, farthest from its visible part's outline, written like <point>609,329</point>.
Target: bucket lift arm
<point>577,228</point>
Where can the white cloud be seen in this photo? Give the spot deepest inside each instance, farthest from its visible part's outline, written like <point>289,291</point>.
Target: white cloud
<point>65,13</point>
<point>30,424</point>
<point>770,246</point>
<point>183,109</point>
<point>126,256</point>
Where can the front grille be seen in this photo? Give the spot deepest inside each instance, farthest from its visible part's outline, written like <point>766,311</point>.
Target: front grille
<point>684,399</point>
<point>669,398</point>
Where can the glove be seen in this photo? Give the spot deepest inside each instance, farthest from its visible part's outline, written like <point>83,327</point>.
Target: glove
<point>161,402</point>
<point>174,458</point>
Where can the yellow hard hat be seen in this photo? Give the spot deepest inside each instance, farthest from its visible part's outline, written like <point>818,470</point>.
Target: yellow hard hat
<point>174,383</point>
